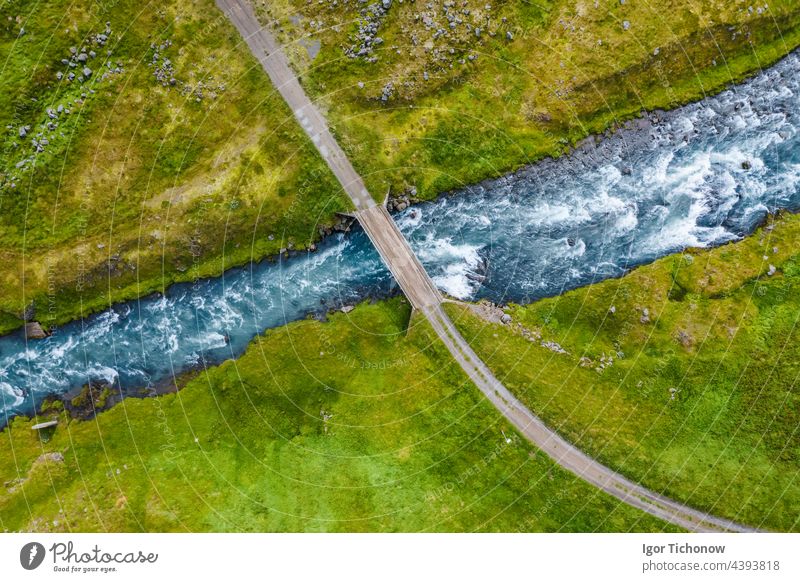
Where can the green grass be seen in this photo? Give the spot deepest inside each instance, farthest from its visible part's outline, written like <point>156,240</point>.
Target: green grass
<point>349,425</point>
<point>142,184</point>
<point>723,337</point>
<point>570,70</point>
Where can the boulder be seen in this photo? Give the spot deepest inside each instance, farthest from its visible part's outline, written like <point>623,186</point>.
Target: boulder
<point>33,330</point>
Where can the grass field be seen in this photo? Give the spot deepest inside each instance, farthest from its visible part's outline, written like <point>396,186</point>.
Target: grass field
<point>174,157</point>
<point>456,92</point>
<point>697,396</point>
<point>349,425</point>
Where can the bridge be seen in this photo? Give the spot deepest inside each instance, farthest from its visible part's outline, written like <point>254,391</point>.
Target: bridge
<point>425,297</point>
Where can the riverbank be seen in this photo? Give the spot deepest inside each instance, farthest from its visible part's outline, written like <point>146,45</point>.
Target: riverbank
<point>682,370</point>
<point>444,100</point>
<point>351,425</point>
<point>679,375</point>
<point>239,223</point>
<point>142,148</point>
<point>699,176</point>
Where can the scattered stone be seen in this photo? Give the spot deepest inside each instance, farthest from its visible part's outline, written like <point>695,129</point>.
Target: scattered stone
<point>645,318</point>
<point>49,457</point>
<point>772,270</point>
<point>87,72</point>
<point>685,338</point>
<point>626,25</point>
<point>612,310</point>
<point>553,346</point>
<point>347,308</point>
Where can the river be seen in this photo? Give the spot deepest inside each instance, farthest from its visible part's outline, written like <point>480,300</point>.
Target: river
<point>698,176</point>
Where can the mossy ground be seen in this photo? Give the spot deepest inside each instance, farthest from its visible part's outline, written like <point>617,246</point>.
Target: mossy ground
<point>142,182</point>
<point>145,185</point>
<point>569,69</point>
<point>701,399</point>
<point>349,425</point>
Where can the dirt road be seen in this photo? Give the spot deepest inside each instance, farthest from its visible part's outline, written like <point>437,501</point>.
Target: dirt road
<point>423,295</point>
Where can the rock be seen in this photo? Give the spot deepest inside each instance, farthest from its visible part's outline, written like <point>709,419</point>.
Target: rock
<point>23,132</point>
<point>30,312</point>
<point>347,308</point>
<point>505,318</point>
<point>612,309</point>
<point>509,35</point>
<point>87,72</point>
<point>772,270</point>
<point>33,330</point>
<point>626,25</point>
<point>685,338</point>
<point>82,58</point>
<point>645,318</point>
<point>746,165</point>
<point>43,425</point>
<point>51,457</point>
<point>553,346</point>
